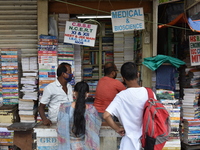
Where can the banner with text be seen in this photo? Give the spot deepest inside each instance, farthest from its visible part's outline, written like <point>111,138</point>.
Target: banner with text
<point>80,33</point>
<point>194,50</point>
<point>127,19</point>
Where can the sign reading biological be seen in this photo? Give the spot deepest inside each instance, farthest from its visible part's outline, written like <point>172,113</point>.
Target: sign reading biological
<point>80,33</point>
<point>127,19</point>
<point>194,50</point>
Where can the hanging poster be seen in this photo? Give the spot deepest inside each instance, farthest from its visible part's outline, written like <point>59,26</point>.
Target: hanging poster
<point>80,33</point>
<point>194,50</point>
<point>127,19</point>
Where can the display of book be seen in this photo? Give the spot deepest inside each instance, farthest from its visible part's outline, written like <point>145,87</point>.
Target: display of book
<point>9,72</point>
<point>167,98</point>
<point>191,131</point>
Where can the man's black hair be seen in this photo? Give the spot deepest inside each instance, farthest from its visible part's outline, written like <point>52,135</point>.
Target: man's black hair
<point>129,71</point>
<point>61,68</point>
<point>108,70</point>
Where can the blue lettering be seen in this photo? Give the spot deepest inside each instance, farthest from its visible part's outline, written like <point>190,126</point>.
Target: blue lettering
<point>48,140</point>
<point>128,27</point>
<point>127,13</point>
<point>86,34</point>
<point>135,13</point>
<point>131,13</point>
<point>139,12</point>
<point>114,14</point>
<point>124,14</point>
<point>119,14</point>
<point>73,32</point>
<point>79,33</point>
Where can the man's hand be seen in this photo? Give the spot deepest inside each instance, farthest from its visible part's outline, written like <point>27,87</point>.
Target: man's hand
<point>121,131</point>
<point>47,122</point>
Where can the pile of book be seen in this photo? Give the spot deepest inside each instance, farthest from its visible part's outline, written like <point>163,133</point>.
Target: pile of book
<point>9,72</point>
<point>166,97</point>
<point>77,63</point>
<point>27,110</point>
<point>191,131</point>
<point>62,18</point>
<point>66,55</point>
<point>48,62</point>
<point>47,59</point>
<point>29,100</point>
<point>1,96</point>
<point>118,51</point>
<point>6,138</point>
<point>190,103</point>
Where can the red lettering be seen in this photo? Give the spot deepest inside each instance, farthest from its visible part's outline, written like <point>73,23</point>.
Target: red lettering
<point>90,38</point>
<point>193,39</point>
<point>193,51</point>
<point>81,25</point>
<point>195,58</point>
<point>69,35</point>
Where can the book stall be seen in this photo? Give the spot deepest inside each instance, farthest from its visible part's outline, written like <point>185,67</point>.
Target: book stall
<point>191,110</point>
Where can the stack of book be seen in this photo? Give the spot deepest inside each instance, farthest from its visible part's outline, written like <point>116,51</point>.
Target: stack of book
<point>107,56</point>
<point>29,81</point>
<point>48,62</point>
<point>62,18</point>
<point>9,66</point>
<point>191,131</point>
<point>27,110</point>
<point>77,63</point>
<point>118,51</point>
<point>66,55</point>
<point>8,114</point>
<point>1,96</point>
<point>195,81</point>
<point>92,86</point>
<point>6,138</point>
<point>128,46</point>
<point>47,59</point>
<point>166,97</point>
<point>190,104</point>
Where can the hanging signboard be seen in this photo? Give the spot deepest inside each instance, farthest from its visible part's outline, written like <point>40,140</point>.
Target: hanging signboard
<point>194,50</point>
<point>127,19</point>
<point>80,33</point>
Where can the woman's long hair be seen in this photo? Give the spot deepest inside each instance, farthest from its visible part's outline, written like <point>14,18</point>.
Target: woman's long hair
<point>79,120</point>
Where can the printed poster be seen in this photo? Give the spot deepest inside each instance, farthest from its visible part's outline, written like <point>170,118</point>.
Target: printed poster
<point>127,19</point>
<point>194,42</point>
<point>80,33</point>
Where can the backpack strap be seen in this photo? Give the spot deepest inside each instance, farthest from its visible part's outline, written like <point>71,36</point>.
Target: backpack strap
<point>150,92</point>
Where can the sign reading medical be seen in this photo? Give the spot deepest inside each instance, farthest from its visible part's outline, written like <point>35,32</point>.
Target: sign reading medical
<point>127,19</point>
<point>80,33</point>
<point>194,50</point>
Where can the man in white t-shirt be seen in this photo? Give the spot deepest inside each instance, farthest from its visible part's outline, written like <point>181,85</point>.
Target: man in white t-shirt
<point>55,93</point>
<point>128,106</point>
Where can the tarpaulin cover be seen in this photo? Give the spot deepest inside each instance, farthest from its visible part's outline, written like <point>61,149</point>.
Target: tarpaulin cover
<point>154,62</point>
<point>194,22</point>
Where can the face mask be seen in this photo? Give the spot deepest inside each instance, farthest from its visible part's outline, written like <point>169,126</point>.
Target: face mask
<point>69,78</point>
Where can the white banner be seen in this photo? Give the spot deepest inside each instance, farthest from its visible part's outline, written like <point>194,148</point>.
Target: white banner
<point>127,19</point>
<point>80,33</point>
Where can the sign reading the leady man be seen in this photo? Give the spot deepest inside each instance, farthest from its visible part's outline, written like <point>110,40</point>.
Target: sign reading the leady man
<point>80,33</point>
<point>127,19</point>
<point>194,50</point>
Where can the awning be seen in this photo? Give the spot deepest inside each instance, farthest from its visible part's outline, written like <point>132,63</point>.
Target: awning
<point>178,20</point>
<point>193,22</point>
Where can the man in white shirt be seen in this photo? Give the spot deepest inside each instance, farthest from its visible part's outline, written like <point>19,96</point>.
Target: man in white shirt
<point>128,106</point>
<point>55,93</point>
